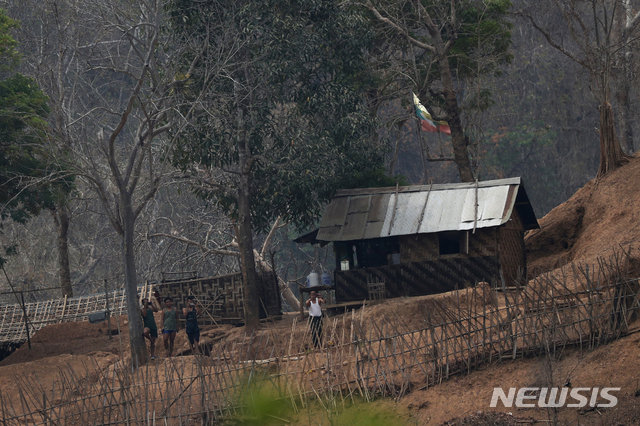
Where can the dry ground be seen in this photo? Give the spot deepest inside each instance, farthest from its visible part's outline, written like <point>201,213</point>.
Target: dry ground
<point>598,219</point>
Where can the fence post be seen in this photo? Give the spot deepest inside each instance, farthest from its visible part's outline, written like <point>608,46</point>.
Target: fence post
<point>24,315</point>
<point>106,298</point>
<point>64,308</point>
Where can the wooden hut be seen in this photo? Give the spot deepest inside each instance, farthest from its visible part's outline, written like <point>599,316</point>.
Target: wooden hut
<point>426,239</point>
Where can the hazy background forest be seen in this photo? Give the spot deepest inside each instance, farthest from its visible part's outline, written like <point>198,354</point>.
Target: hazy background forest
<point>541,124</point>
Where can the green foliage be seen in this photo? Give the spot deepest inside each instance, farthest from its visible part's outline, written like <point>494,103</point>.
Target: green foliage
<point>29,179</point>
<point>8,53</point>
<point>377,413</point>
<point>266,406</point>
<point>292,87</point>
<point>484,37</point>
<point>262,407</point>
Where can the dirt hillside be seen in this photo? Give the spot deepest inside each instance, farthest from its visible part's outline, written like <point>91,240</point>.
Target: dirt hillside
<point>600,218</point>
<point>597,220</point>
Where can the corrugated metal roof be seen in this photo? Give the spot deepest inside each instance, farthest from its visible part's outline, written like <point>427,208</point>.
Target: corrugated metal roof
<point>382,212</point>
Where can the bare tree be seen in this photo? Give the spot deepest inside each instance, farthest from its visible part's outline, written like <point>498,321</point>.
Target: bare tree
<point>624,77</point>
<point>595,34</point>
<point>212,239</point>
<point>106,66</point>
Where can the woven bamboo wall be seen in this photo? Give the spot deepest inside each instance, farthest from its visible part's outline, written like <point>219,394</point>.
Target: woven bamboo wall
<point>417,278</point>
<point>512,252</point>
<point>484,242</point>
<point>418,247</point>
<point>425,247</point>
<point>223,297</point>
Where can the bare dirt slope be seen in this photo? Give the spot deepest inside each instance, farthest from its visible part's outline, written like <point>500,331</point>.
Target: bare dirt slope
<point>601,217</point>
<point>597,220</point>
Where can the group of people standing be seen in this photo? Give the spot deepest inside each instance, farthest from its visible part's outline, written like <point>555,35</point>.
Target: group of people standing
<point>169,321</point>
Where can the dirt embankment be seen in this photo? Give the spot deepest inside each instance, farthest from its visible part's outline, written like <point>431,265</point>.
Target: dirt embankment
<point>601,217</point>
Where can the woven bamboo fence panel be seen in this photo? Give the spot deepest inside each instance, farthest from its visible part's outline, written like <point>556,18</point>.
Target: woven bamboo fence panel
<point>41,314</point>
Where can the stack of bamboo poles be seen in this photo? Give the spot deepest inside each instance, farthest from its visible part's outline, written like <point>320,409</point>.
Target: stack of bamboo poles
<point>360,357</point>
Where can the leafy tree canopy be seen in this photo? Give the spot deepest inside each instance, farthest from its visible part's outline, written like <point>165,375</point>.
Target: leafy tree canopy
<point>484,38</point>
<point>8,53</point>
<point>289,77</point>
<point>29,179</point>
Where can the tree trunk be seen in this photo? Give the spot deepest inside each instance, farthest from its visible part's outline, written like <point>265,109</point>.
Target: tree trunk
<point>288,295</point>
<point>245,240</point>
<point>611,154</point>
<point>441,51</point>
<point>61,219</point>
<point>624,99</point>
<point>138,347</point>
<point>626,118</point>
<point>624,78</point>
<point>460,147</point>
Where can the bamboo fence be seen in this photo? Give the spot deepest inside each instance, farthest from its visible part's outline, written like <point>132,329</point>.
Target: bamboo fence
<point>360,357</point>
<point>20,320</point>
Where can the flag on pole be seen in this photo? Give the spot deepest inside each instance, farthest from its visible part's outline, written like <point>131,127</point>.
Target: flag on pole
<point>428,124</point>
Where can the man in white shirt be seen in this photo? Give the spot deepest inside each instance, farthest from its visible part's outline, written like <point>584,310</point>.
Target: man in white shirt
<point>315,317</point>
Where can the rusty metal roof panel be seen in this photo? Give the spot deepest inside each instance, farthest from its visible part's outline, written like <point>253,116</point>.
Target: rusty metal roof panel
<point>329,233</point>
<point>379,207</point>
<point>336,212</point>
<point>354,226</point>
<point>360,204</point>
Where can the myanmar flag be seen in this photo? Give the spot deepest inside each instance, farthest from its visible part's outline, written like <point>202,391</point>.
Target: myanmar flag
<point>428,124</point>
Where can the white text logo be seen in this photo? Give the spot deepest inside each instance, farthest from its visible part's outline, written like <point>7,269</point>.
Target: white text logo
<point>554,397</point>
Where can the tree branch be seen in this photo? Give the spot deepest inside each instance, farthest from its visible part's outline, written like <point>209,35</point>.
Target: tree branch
<point>202,247</point>
<point>398,29</point>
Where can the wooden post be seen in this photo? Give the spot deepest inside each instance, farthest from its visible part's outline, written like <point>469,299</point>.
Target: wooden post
<point>301,302</point>
<point>106,298</point>
<point>64,308</point>
<point>26,320</point>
